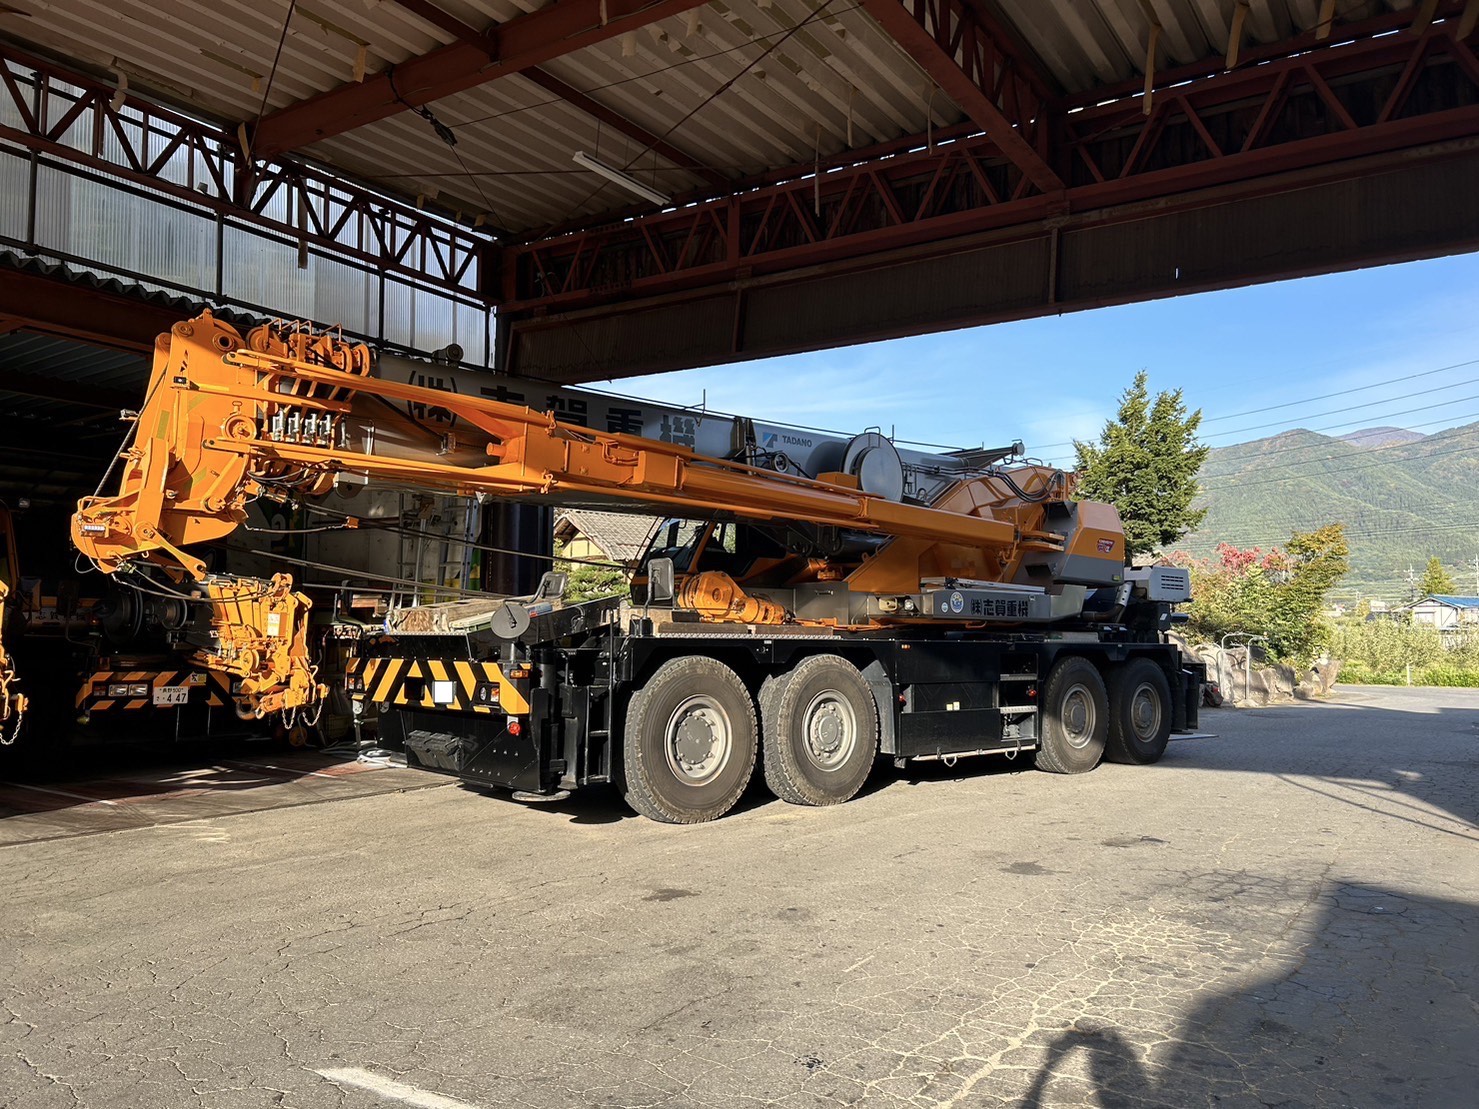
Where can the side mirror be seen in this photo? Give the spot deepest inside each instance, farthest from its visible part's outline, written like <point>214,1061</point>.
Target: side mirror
<point>660,581</point>
<point>551,586</point>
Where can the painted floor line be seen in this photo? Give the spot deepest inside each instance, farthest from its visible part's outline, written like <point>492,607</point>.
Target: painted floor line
<point>406,1094</point>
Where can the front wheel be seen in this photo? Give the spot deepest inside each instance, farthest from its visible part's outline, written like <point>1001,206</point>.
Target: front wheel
<point>689,744</point>
<point>1075,718</point>
<point>1139,713</point>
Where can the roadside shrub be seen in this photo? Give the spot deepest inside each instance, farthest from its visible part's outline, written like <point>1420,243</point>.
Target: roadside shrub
<point>1388,646</point>
<point>1355,673</point>
<point>1450,676</point>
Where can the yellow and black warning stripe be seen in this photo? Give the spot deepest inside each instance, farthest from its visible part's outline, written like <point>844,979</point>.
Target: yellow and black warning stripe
<point>93,694</point>
<point>220,688</point>
<point>437,684</point>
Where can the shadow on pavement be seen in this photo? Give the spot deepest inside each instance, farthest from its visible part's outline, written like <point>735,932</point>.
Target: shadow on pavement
<point>119,775</point>
<point>1377,1008</point>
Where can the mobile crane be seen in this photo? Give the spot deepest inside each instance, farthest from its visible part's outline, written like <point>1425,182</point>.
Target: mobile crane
<point>824,618</point>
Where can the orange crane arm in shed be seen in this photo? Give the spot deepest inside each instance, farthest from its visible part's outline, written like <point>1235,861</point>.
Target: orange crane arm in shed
<point>287,411</point>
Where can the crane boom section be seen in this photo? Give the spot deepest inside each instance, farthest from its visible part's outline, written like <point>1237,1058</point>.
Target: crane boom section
<point>290,413</point>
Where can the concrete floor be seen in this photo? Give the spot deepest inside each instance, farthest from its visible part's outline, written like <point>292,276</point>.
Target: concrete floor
<point>1287,915</point>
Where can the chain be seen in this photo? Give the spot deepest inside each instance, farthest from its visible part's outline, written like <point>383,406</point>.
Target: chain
<point>12,705</point>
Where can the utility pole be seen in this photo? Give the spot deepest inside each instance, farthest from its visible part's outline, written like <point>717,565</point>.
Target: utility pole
<point>1411,583</point>
<point>1476,575</point>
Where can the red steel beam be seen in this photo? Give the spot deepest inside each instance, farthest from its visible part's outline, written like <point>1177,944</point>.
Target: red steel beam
<point>930,196</point>
<point>978,70</point>
<point>71,117</point>
<point>574,97</point>
<point>512,47</point>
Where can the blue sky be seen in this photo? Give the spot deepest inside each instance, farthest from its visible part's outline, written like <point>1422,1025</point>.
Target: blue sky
<point>1050,380</point>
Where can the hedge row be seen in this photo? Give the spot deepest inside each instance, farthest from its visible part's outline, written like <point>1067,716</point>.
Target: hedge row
<point>1357,674</point>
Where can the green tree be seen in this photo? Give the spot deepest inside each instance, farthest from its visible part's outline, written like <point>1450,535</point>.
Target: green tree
<point>1317,560</point>
<point>1146,464</point>
<point>1436,580</point>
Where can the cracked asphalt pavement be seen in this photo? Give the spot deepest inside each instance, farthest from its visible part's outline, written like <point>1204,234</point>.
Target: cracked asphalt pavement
<point>1286,915</point>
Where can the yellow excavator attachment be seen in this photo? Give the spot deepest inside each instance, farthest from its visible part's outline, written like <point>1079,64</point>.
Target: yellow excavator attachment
<point>259,634</point>
<point>12,700</point>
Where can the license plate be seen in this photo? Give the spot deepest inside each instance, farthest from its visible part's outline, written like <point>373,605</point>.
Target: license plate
<point>171,694</point>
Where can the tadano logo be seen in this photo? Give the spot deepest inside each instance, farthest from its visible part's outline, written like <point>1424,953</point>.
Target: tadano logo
<point>779,438</point>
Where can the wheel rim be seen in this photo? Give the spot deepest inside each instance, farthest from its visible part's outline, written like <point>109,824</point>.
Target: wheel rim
<point>829,730</point>
<point>698,740</point>
<point>1078,716</point>
<point>1145,712</point>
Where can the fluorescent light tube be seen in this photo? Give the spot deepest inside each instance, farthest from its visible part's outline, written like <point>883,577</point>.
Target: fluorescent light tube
<point>631,184</point>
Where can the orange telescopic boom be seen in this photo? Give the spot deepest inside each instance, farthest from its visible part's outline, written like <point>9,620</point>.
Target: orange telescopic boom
<point>287,412</point>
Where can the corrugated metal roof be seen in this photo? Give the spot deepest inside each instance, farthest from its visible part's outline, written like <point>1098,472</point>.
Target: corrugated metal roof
<point>837,82</point>
<point>1089,43</point>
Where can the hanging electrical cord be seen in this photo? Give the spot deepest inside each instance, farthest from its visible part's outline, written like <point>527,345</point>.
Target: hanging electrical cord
<point>644,75</point>
<point>272,73</point>
<point>448,136</point>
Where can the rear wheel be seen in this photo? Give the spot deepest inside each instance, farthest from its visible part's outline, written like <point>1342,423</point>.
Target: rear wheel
<point>689,743</point>
<point>820,728</point>
<point>1075,718</point>
<point>1139,713</point>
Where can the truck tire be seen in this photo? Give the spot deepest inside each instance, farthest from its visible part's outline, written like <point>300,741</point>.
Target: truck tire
<point>1075,718</point>
<point>1139,713</point>
<point>819,725</point>
<point>689,744</point>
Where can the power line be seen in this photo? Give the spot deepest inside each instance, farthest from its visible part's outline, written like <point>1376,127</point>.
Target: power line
<point>1355,453</point>
<point>1311,400</point>
<point>1247,537</point>
<point>1352,408</point>
<point>1390,532</point>
<point>1342,392</point>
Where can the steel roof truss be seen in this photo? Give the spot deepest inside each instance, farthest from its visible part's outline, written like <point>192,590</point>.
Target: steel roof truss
<point>979,70</point>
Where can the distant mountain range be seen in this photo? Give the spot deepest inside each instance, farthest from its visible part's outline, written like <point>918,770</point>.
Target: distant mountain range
<point>1381,437</point>
<point>1402,496</point>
